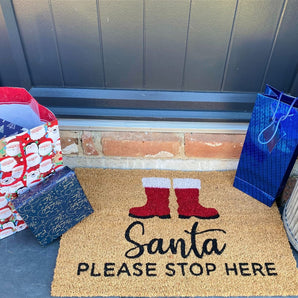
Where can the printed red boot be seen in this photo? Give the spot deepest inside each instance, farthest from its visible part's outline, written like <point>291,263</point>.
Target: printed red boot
<point>157,191</point>
<point>187,193</point>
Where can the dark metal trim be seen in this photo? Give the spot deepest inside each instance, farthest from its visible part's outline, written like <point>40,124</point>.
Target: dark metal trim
<point>146,105</point>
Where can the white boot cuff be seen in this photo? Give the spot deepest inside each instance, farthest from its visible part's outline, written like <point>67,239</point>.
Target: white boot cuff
<point>186,183</point>
<point>156,182</point>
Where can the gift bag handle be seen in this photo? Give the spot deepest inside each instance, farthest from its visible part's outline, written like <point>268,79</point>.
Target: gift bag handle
<point>25,167</point>
<point>282,118</point>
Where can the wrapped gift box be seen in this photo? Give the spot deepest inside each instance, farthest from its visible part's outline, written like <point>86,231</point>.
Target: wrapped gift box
<point>53,206</point>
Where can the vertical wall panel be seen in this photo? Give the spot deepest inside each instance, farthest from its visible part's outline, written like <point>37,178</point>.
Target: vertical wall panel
<point>254,31</point>
<point>78,42</point>
<point>208,40</point>
<point>294,87</point>
<point>16,46</point>
<point>218,45</point>
<point>283,65</point>
<point>8,71</point>
<point>122,35</point>
<point>38,36</point>
<point>165,42</point>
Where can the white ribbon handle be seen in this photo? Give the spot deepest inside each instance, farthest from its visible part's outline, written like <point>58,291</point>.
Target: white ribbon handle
<point>282,118</point>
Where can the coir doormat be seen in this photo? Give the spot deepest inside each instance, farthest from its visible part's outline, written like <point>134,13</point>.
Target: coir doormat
<point>168,233</point>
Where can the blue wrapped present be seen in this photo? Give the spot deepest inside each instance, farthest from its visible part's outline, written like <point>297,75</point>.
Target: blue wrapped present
<point>8,129</point>
<point>53,206</point>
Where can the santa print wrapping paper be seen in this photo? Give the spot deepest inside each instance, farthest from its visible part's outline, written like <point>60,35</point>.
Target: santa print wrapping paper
<point>25,160</point>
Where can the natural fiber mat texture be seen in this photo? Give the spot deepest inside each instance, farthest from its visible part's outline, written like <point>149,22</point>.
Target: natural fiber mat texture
<point>243,252</point>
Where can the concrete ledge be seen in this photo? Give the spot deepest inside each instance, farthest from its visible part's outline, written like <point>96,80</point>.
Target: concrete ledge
<point>150,164</point>
<point>153,126</point>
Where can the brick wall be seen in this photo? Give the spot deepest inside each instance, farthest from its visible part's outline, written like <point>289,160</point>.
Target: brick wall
<point>141,149</point>
<point>152,150</point>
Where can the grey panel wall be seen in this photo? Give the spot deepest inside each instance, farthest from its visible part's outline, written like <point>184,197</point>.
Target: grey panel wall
<point>209,46</point>
<point>252,39</point>
<point>282,69</point>
<point>165,24</point>
<point>210,28</point>
<point>35,22</point>
<point>77,31</point>
<point>14,67</point>
<point>122,37</point>
<point>8,70</point>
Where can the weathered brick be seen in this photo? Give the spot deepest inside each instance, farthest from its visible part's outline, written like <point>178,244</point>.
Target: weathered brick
<point>139,144</point>
<point>213,145</point>
<point>69,142</point>
<point>88,145</point>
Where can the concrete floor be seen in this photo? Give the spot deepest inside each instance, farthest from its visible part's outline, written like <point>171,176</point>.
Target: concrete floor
<point>27,268</point>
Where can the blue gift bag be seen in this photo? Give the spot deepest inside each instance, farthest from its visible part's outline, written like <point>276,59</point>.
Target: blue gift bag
<point>270,148</point>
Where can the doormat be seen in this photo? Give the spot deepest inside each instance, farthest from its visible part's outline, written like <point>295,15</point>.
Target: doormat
<point>170,233</point>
